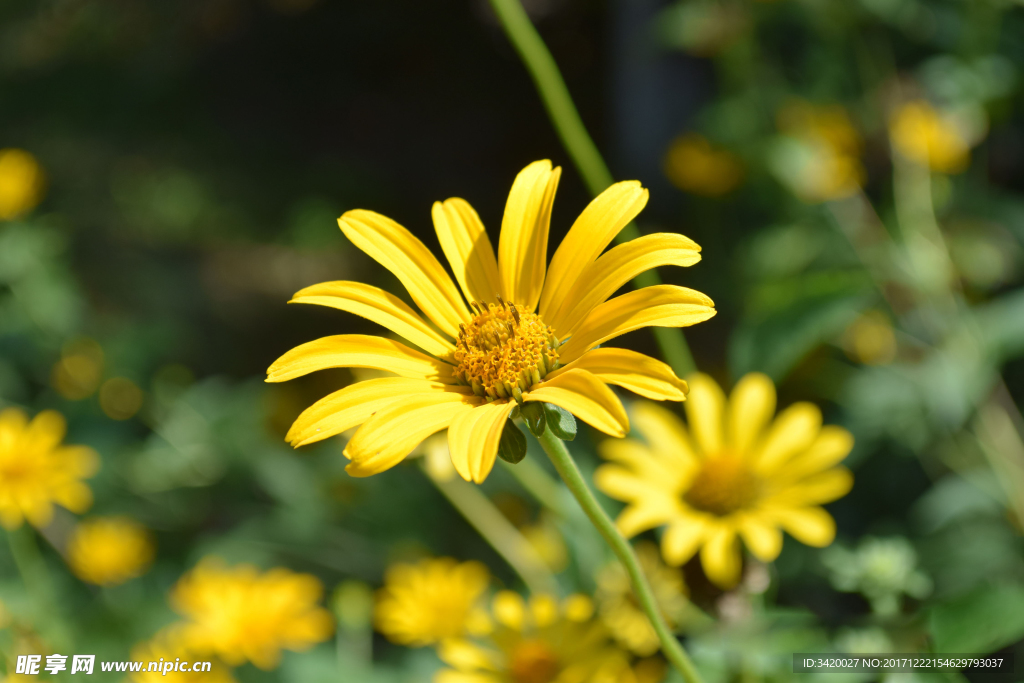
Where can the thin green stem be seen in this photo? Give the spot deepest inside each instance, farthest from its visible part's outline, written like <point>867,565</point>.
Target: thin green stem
<point>581,148</point>
<point>499,533</point>
<point>573,479</point>
<point>36,578</point>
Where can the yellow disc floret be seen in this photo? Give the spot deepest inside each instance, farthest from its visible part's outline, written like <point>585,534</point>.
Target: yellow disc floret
<point>723,485</point>
<point>503,351</point>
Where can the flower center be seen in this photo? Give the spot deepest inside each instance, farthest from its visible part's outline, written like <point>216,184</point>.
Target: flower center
<point>534,662</point>
<point>724,485</point>
<point>502,351</point>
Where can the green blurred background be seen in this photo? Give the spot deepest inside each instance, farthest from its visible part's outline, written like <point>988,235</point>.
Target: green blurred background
<point>197,154</point>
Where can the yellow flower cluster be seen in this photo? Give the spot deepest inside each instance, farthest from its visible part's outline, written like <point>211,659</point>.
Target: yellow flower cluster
<point>241,614</point>
<point>441,602</point>
<point>110,550</point>
<point>733,474</point>
<point>21,183</point>
<point>36,471</point>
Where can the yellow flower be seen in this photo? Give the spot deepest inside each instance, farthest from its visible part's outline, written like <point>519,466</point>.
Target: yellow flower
<point>619,610</point>
<point>733,474</point>
<point>109,550</point>
<point>529,333</point>
<point>870,339</point>
<point>820,159</point>
<point>168,646</point>
<point>21,183</point>
<point>435,599</point>
<point>36,471</point>
<point>693,165</point>
<point>241,614</point>
<point>923,135</point>
<point>539,642</point>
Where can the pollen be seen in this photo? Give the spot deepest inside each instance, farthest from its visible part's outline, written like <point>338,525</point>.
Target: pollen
<point>504,351</point>
<point>723,485</point>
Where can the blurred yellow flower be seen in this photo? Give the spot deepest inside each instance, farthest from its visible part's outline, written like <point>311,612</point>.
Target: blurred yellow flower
<point>733,474</point>
<point>241,614</point>
<point>22,183</point>
<point>618,607</point>
<point>819,158</point>
<point>925,136</point>
<point>539,642</point>
<point>109,550</point>
<point>693,165</point>
<point>36,471</point>
<point>424,603</point>
<point>507,345</point>
<point>120,398</point>
<point>78,372</point>
<point>167,646</point>
<point>870,339</point>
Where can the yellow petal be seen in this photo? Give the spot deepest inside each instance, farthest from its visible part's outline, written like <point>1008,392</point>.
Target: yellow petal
<point>393,432</point>
<point>468,249</point>
<point>523,245</point>
<point>509,609</point>
<point>358,351</point>
<point>630,370</point>
<point>355,404</point>
<point>763,538</point>
<point>810,525</point>
<point>793,431</point>
<point>473,439</point>
<point>586,397</point>
<point>607,274</point>
<point>663,429</point>
<point>660,306</point>
<point>683,538</point>
<point>647,514</point>
<point>45,431</point>
<point>751,406</point>
<point>657,465</point>
<point>452,676</point>
<point>75,496</point>
<point>823,487</point>
<point>463,655</point>
<point>829,448</point>
<point>594,230</point>
<point>398,250</point>
<point>379,306</point>
<point>705,410</point>
<point>720,556</point>
<point>621,484</point>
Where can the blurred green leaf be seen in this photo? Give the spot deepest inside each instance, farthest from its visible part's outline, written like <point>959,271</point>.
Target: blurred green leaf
<point>984,620</point>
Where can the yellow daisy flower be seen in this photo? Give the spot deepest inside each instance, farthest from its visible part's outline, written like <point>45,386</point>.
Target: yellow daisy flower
<point>925,136</point>
<point>539,642</point>
<point>622,614</point>
<point>22,183</point>
<point>733,474</point>
<point>241,614</point>
<point>109,550</point>
<point>693,165</point>
<point>529,333</point>
<point>36,471</point>
<point>167,646</point>
<point>434,599</point>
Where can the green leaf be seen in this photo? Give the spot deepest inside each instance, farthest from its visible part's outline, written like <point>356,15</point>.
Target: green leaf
<point>533,414</point>
<point>512,447</point>
<point>560,421</point>
<point>984,620</point>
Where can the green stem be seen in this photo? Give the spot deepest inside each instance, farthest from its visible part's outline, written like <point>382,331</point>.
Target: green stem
<point>573,479</point>
<point>36,578</point>
<point>499,533</point>
<point>581,148</point>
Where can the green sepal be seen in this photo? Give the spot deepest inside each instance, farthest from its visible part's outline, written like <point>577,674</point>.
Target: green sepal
<point>512,446</point>
<point>514,415</point>
<point>533,414</point>
<point>560,421</point>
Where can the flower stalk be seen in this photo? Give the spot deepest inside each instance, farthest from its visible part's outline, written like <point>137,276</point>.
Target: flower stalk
<point>581,148</point>
<point>36,579</point>
<point>573,478</point>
